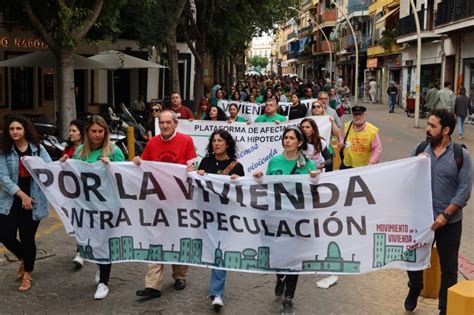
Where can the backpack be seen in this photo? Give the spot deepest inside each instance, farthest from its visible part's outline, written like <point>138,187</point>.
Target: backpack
<point>457,148</point>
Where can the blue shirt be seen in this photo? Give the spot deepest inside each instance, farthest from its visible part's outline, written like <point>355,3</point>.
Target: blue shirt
<point>448,185</point>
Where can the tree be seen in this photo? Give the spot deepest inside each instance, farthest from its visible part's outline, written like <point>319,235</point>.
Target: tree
<point>258,63</point>
<point>224,28</point>
<point>63,24</point>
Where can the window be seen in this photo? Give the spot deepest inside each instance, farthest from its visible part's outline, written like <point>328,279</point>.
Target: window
<point>21,88</point>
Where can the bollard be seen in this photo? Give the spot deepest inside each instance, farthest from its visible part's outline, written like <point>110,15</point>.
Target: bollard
<point>336,161</point>
<point>461,298</point>
<point>432,277</point>
<point>131,143</point>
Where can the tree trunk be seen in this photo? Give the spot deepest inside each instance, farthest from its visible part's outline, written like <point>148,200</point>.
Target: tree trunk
<point>66,99</point>
<point>240,67</point>
<point>199,70</point>
<point>231,69</point>
<point>221,70</point>
<point>226,73</point>
<point>173,60</point>
<point>216,69</point>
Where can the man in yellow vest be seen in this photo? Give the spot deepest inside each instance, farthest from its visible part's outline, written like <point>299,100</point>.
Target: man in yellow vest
<point>362,141</point>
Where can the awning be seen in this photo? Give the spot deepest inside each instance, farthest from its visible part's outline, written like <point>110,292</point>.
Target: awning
<point>381,22</point>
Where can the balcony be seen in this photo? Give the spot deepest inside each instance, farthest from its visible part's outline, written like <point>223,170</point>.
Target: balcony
<point>348,43</point>
<point>378,5</point>
<point>328,18</point>
<point>305,31</point>
<point>292,55</point>
<point>357,5</point>
<point>454,11</point>
<point>283,49</point>
<point>322,47</point>
<point>377,50</point>
<point>292,35</point>
<point>407,24</point>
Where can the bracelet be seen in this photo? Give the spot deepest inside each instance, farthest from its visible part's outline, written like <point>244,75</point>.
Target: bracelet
<point>446,215</point>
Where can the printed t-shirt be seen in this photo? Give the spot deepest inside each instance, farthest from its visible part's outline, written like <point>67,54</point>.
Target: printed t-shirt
<point>265,118</point>
<point>95,155</point>
<point>279,165</point>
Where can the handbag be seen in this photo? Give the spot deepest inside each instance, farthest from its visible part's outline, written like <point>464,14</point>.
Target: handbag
<point>340,110</point>
<point>341,151</point>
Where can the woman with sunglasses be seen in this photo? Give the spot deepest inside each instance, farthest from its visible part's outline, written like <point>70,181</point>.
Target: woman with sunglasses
<point>22,204</point>
<point>292,161</point>
<point>153,123</point>
<point>317,109</point>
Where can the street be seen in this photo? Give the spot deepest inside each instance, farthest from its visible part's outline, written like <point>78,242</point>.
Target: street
<point>59,289</point>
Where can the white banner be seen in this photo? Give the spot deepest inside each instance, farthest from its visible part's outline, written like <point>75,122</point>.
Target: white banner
<point>251,111</point>
<point>345,222</point>
<point>257,143</point>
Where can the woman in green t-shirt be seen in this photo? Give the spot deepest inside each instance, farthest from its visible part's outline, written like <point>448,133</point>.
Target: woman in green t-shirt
<point>98,147</point>
<point>292,161</point>
<point>233,111</point>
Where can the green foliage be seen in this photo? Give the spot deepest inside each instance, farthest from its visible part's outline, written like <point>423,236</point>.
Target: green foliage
<point>62,19</point>
<point>258,63</point>
<point>147,21</point>
<point>389,37</point>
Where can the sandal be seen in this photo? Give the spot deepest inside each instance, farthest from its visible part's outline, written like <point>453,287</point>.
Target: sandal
<point>25,282</point>
<point>20,272</point>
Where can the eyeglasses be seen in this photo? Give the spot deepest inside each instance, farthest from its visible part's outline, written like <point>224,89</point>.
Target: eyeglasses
<point>156,110</point>
<point>316,106</point>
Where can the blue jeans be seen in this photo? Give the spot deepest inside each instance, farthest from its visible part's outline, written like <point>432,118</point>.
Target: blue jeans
<point>216,287</point>
<point>392,99</point>
<point>460,124</point>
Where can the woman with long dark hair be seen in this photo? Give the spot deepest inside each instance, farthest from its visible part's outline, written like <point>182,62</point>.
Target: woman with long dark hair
<point>233,113</point>
<point>317,147</point>
<point>292,161</point>
<point>221,159</point>
<point>216,114</point>
<point>296,110</point>
<point>76,136</point>
<point>98,147</point>
<point>202,109</point>
<point>22,204</point>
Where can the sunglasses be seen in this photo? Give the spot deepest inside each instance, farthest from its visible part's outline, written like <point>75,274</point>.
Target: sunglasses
<point>316,106</point>
<point>156,110</point>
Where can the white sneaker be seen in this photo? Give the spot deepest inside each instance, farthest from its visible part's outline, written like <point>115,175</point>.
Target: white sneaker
<point>102,292</point>
<point>78,261</point>
<point>97,276</point>
<point>217,302</point>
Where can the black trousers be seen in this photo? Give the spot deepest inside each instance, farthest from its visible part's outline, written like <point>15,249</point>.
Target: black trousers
<point>290,284</point>
<point>448,239</point>
<point>104,273</point>
<point>20,220</point>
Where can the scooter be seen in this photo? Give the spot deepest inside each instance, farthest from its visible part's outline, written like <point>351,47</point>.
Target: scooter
<point>46,129</point>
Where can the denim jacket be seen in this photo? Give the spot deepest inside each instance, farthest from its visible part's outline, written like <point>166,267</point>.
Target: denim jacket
<point>9,183</point>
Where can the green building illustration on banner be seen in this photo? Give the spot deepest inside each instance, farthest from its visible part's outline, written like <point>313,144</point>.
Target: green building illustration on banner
<point>384,254</point>
<point>333,262</point>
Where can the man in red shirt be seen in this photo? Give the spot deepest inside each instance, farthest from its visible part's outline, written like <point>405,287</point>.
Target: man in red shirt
<point>181,111</point>
<point>172,147</point>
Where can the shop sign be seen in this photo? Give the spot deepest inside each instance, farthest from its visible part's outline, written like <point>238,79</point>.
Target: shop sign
<point>372,63</point>
<point>21,42</point>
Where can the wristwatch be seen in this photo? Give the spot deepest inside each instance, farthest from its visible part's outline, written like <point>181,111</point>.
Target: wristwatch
<point>446,215</point>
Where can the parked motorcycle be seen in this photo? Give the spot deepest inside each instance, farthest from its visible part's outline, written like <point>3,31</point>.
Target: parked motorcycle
<point>47,131</point>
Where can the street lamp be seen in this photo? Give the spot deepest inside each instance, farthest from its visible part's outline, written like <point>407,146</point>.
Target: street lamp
<point>325,37</point>
<point>418,65</point>
<point>356,89</point>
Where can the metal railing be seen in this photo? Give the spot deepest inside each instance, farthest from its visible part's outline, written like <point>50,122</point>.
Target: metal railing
<point>407,24</point>
<point>453,11</point>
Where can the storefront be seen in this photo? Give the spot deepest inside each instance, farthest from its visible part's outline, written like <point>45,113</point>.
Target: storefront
<point>28,90</point>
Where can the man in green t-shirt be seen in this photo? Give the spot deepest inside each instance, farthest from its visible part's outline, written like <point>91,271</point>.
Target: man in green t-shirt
<point>271,113</point>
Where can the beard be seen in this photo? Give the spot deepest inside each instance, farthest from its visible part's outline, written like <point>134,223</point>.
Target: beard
<point>434,140</point>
